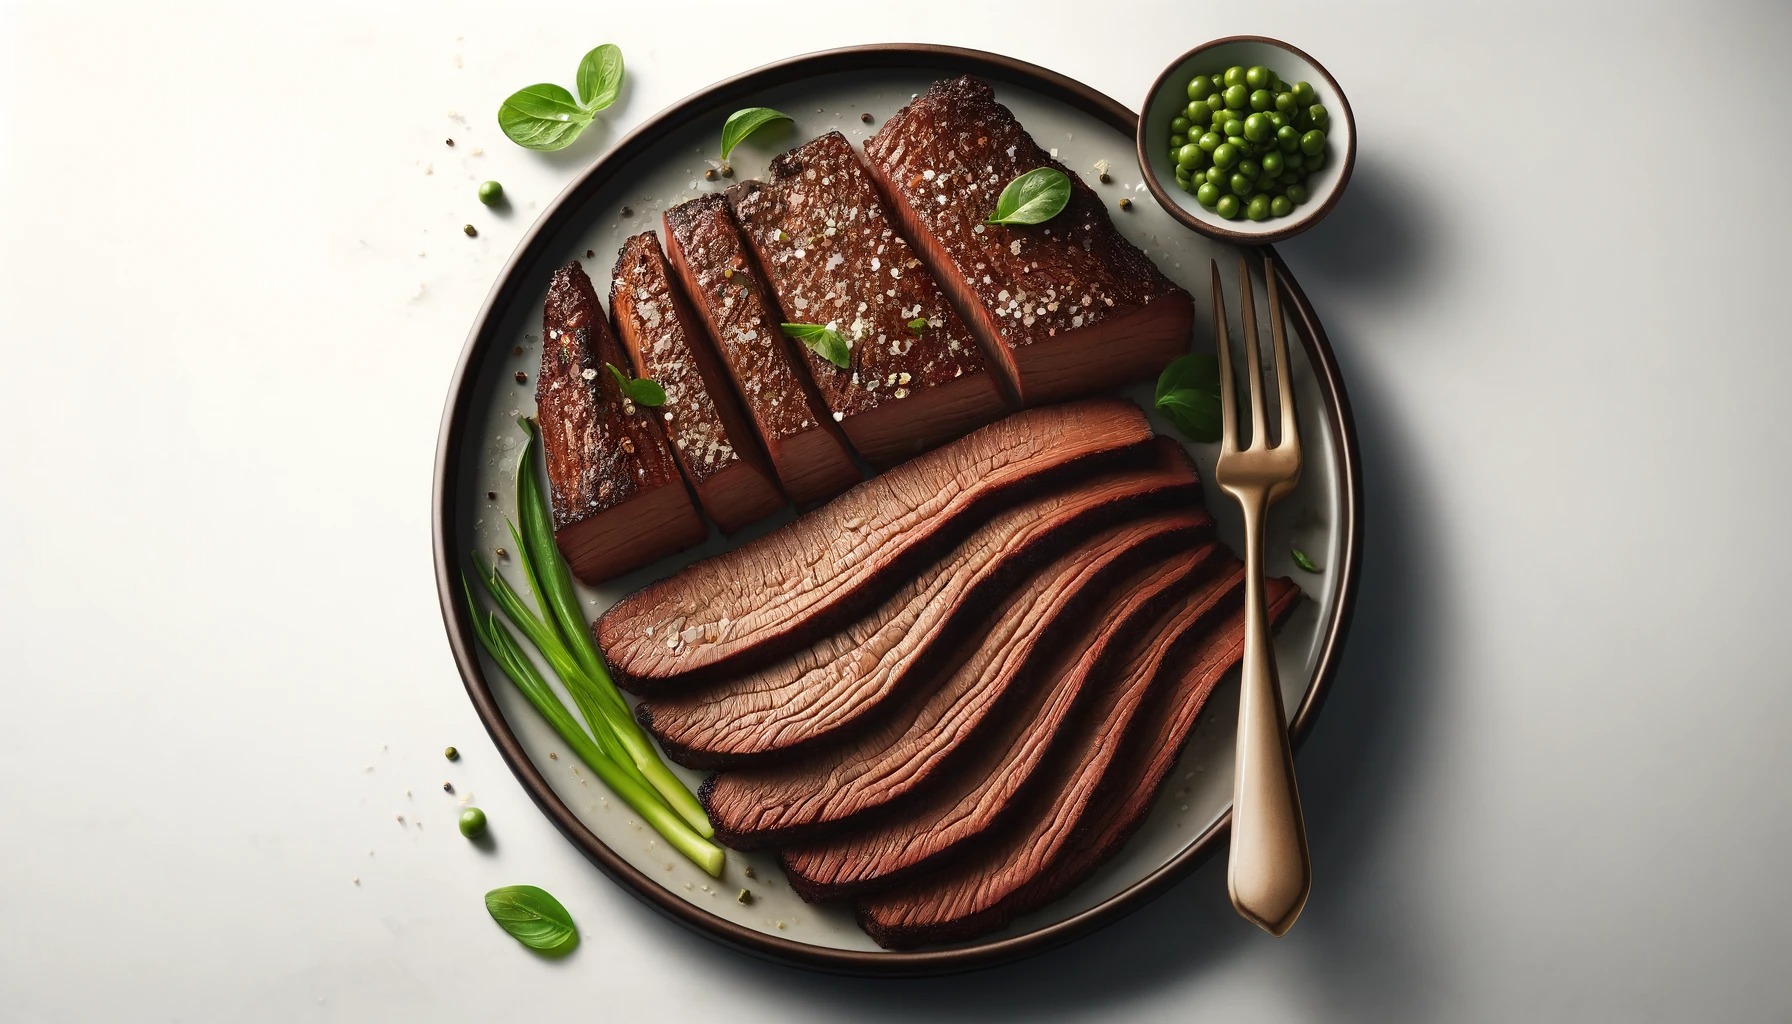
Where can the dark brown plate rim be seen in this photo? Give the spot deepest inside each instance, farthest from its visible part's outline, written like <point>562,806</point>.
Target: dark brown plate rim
<point>1307,220</point>
<point>945,60</point>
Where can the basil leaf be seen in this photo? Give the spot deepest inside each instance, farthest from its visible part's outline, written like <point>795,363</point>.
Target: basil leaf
<point>823,341</point>
<point>1301,559</point>
<point>1033,198</point>
<point>639,390</point>
<point>533,918</point>
<point>542,117</point>
<point>743,123</point>
<point>918,325</point>
<point>1188,392</point>
<point>600,77</point>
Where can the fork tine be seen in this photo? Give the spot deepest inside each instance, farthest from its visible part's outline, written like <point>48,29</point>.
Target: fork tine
<point>1253,360</point>
<point>1223,348</point>
<point>1284,375</point>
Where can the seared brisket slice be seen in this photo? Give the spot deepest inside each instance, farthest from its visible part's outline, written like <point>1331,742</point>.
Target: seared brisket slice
<point>710,258</point>
<point>988,887</point>
<point>982,793</point>
<point>825,242</point>
<point>841,684</point>
<point>737,611</point>
<point>1134,784</point>
<point>926,739</point>
<point>619,501</point>
<point>1069,305</point>
<point>711,438</point>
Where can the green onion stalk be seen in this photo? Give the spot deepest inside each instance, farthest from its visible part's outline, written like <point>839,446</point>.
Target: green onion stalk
<point>593,688</point>
<point>504,649</point>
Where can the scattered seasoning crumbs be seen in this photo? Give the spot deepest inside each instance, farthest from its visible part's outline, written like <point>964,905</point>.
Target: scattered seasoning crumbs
<point>1125,203</point>
<point>400,819</point>
<point>553,756</point>
<point>451,754</point>
<point>356,879</point>
<point>628,212</point>
<point>521,377</point>
<point>447,787</point>
<point>590,255</point>
<point>710,174</point>
<point>471,231</point>
<point>865,117</point>
<point>749,872</point>
<point>451,143</point>
<point>502,553</point>
<point>491,495</point>
<point>745,897</point>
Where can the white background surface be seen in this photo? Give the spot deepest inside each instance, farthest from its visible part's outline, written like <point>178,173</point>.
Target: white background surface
<point>1550,783</point>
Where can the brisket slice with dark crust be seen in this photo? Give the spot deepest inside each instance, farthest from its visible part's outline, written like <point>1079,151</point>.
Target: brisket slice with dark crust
<point>981,794</point>
<point>742,609</point>
<point>1069,305</point>
<point>619,500</point>
<point>929,737</point>
<point>825,242</point>
<point>715,445</point>
<point>1134,784</point>
<point>986,889</point>
<point>839,685</point>
<point>710,258</point>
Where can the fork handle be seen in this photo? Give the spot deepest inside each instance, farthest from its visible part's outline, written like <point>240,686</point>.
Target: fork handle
<point>1268,873</point>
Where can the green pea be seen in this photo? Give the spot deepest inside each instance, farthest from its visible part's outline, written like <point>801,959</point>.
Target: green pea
<point>1186,186</point>
<point>1179,125</point>
<point>472,822</point>
<point>1175,153</point>
<point>1272,162</point>
<point>1182,173</point>
<point>1248,167</point>
<point>1220,119</point>
<point>1313,143</point>
<point>1240,184</point>
<point>1276,120</point>
<point>1303,93</point>
<point>1276,84</point>
<point>1236,97</point>
<point>1288,178</point>
<point>1208,195</point>
<point>1258,77</point>
<point>1215,175</point>
<point>1227,207</point>
<point>1286,103</point>
<point>1199,87</point>
<point>490,192</point>
<point>1178,141</point>
<point>1257,128</point>
<point>1314,162</point>
<point>1198,111</point>
<point>1217,81</point>
<point>1258,209</point>
<point>1240,143</point>
<point>1316,115</point>
<point>1234,76</point>
<point>1297,194</point>
<point>1280,206</point>
<point>1263,99</point>
<point>1210,141</point>
<point>1266,182</point>
<point>1294,161</point>
<point>1187,156</point>
<point>1288,138</point>
<point>1225,155</point>
<point>1234,126</point>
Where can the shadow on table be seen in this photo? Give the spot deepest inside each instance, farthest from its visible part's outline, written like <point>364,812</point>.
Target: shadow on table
<point>1356,945</point>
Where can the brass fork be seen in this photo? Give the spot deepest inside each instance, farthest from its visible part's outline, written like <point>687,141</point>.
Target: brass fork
<point>1268,872</point>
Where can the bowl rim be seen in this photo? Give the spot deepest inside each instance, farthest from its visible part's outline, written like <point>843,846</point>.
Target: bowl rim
<point>1296,225</point>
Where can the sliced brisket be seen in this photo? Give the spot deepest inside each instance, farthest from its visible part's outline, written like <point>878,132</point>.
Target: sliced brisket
<point>917,375</point>
<point>739,610</point>
<point>927,738</point>
<point>986,790</point>
<point>806,448</point>
<point>714,444</point>
<point>826,692</point>
<point>1069,305</point>
<point>619,500</point>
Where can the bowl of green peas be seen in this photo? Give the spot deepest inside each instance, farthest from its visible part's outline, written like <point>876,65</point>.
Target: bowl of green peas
<point>1246,139</point>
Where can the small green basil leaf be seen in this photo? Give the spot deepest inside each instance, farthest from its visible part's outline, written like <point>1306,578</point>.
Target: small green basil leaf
<point>1301,559</point>
<point>600,77</point>
<point>823,341</point>
<point>544,117</point>
<point>1188,392</point>
<point>1033,198</point>
<point>533,918</point>
<point>639,390</point>
<point>743,123</point>
<point>918,325</point>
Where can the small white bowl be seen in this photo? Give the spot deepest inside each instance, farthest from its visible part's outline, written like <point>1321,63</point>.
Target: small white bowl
<point>1168,98</point>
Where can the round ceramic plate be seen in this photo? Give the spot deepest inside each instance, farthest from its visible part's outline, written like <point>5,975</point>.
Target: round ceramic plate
<point>661,164</point>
